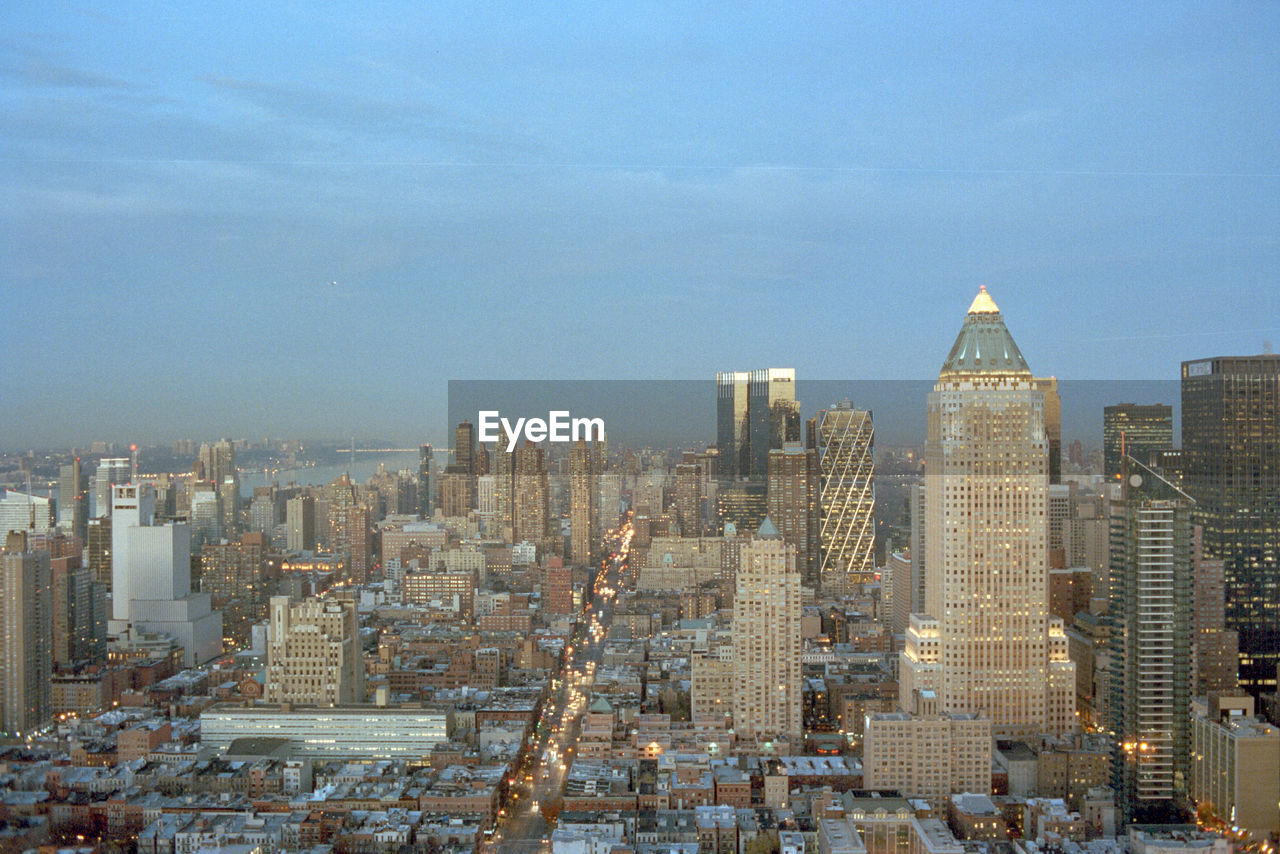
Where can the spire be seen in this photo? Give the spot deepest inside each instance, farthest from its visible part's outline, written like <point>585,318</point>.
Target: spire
<point>984,344</point>
<point>983,303</point>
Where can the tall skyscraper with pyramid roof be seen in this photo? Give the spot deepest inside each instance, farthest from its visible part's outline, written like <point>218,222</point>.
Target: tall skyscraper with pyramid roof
<point>986,643</point>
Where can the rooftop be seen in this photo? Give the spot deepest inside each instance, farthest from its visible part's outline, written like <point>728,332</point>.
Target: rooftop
<point>984,344</point>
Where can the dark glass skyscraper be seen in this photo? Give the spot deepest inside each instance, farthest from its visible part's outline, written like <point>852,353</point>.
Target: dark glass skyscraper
<point>731,423</point>
<point>1136,430</point>
<point>1231,467</point>
<point>464,447</point>
<point>773,416</point>
<point>756,412</point>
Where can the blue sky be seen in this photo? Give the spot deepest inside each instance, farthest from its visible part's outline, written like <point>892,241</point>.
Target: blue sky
<point>305,219</point>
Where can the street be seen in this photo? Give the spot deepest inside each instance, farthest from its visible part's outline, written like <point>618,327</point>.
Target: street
<point>536,786</point>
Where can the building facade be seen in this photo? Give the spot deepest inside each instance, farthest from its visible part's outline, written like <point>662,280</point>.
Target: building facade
<point>766,638</point>
<point>793,505</point>
<point>1231,467</point>
<point>986,496</point>
<point>26,636</point>
<point>1150,644</point>
<point>1136,430</point>
<point>313,652</point>
<point>844,439</point>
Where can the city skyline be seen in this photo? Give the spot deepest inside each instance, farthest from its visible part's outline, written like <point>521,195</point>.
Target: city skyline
<point>267,206</point>
<point>557,428</point>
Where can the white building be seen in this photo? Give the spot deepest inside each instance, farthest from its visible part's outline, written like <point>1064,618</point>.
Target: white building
<point>151,578</point>
<point>20,511</point>
<point>341,732</point>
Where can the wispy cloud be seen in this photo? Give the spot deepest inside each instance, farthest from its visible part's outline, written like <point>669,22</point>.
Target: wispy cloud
<point>36,71</point>
<point>345,118</point>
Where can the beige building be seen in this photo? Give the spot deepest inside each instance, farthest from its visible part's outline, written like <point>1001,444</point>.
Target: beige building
<point>530,495</point>
<point>986,499</point>
<point>712,683</point>
<point>583,515</point>
<point>766,639</point>
<point>454,591</point>
<point>26,636</point>
<point>927,755</point>
<point>313,652</point>
<point>680,563</point>
<point>1235,764</point>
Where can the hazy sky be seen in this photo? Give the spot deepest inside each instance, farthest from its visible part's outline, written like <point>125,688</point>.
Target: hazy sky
<point>273,218</point>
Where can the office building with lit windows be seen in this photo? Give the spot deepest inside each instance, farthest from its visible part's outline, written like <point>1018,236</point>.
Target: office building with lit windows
<point>998,652</point>
<point>766,639</point>
<point>1136,430</point>
<point>1231,467</point>
<point>793,496</point>
<point>26,636</point>
<point>348,733</point>
<point>844,439</point>
<point>313,652</point>
<point>1150,664</point>
<point>773,416</point>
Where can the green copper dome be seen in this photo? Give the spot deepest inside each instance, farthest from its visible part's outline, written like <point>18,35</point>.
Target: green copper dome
<point>984,345</point>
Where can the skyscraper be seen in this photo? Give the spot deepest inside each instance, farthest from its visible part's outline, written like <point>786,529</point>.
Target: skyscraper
<point>73,510</point>
<point>110,472</point>
<point>206,517</point>
<point>1231,467</point>
<point>426,494</point>
<point>217,465</point>
<point>26,636</point>
<point>845,442</point>
<point>919,545</point>
<point>503,487</point>
<point>1052,424</point>
<point>458,481</point>
<point>731,423</point>
<point>343,519</point>
<point>793,504</point>
<point>530,494</point>
<point>457,490</point>
<point>1136,430</point>
<point>773,416</point>
<point>583,512</point>
<point>464,446</point>
<point>1150,643</point>
<point>300,523</point>
<point>98,546</point>
<point>72,592</point>
<point>690,495</point>
<point>766,639</point>
<point>1215,649</point>
<point>987,643</point>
